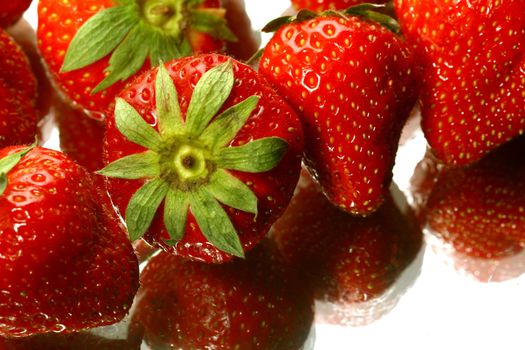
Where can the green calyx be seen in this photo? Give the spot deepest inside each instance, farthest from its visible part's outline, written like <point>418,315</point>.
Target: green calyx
<point>9,162</point>
<point>371,12</point>
<point>188,162</point>
<point>136,30</point>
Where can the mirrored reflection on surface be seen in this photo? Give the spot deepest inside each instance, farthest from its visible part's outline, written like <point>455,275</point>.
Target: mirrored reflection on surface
<point>351,263</point>
<point>474,216</point>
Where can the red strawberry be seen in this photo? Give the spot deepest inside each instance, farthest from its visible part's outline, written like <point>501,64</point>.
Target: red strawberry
<point>65,261</point>
<point>477,211</point>
<point>353,84</point>
<point>247,159</point>
<point>255,303</point>
<point>348,260</point>
<point>11,11</point>
<point>248,40</point>
<point>81,137</point>
<point>18,116</point>
<point>25,36</point>
<point>324,5</point>
<point>93,47</point>
<point>474,78</point>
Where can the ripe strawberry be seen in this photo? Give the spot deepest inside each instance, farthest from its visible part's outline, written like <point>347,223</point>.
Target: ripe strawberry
<point>81,137</point>
<point>65,261</point>
<point>255,303</point>
<point>18,116</point>
<point>25,36</point>
<point>353,84</point>
<point>324,5</point>
<point>476,210</point>
<point>348,260</point>
<point>235,160</point>
<point>11,11</point>
<point>474,82</point>
<point>93,47</point>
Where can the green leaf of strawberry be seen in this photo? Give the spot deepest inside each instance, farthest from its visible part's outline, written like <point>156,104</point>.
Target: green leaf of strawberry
<point>9,162</point>
<point>188,163</point>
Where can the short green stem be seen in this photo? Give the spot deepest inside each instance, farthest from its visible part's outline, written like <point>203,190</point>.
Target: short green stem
<point>190,163</point>
<point>166,15</point>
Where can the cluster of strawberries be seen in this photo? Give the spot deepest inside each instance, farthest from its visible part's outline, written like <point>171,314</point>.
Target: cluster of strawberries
<point>168,139</point>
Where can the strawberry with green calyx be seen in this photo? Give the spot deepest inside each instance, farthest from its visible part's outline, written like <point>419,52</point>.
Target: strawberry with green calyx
<point>472,54</point>
<point>65,261</point>
<point>212,142</point>
<point>92,47</point>
<point>353,83</point>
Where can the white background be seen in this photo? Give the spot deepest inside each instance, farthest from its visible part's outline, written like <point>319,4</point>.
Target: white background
<point>444,309</point>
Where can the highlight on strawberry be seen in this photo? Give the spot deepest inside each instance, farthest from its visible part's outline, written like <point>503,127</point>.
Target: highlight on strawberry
<point>204,157</point>
<point>93,47</point>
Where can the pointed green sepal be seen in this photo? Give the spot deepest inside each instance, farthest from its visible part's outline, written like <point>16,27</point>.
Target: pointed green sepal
<point>212,90</point>
<point>175,214</point>
<point>276,24</point>
<point>231,191</point>
<point>99,36</point>
<point>167,104</point>
<point>224,128</point>
<point>130,124</point>
<point>127,59</point>
<point>143,206</point>
<point>164,48</point>
<point>214,223</point>
<point>205,21</point>
<point>369,12</point>
<point>9,162</point>
<point>254,157</point>
<point>135,166</point>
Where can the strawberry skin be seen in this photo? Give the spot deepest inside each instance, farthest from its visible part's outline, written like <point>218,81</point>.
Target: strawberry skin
<point>348,260</point>
<point>18,115</point>
<point>255,303</point>
<point>65,261</point>
<point>474,82</point>
<point>11,11</point>
<point>353,85</point>
<point>59,21</point>
<point>324,5</point>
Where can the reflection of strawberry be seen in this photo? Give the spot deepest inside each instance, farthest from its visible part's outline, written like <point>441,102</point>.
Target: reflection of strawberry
<point>18,116</point>
<point>245,304</point>
<point>474,78</point>
<point>76,341</point>
<point>324,5</point>
<point>353,84</point>
<point>348,260</point>
<point>65,261</point>
<point>221,170</point>
<point>92,47</point>
<point>478,210</point>
<point>11,11</point>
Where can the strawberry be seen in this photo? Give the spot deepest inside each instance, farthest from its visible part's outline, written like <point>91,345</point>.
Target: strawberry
<point>474,81</point>
<point>476,210</point>
<point>81,137</point>
<point>75,341</point>
<point>226,160</point>
<point>353,84</point>
<point>238,21</point>
<point>65,261</point>
<point>18,116</point>
<point>11,11</point>
<point>93,47</point>
<point>347,260</point>
<point>324,5</point>
<point>255,303</point>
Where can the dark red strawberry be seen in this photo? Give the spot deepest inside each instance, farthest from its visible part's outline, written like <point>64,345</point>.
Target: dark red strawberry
<point>238,21</point>
<point>18,115</point>
<point>25,36</point>
<point>472,54</point>
<point>11,11</point>
<point>353,84</point>
<point>226,161</point>
<point>75,341</point>
<point>81,137</point>
<point>476,211</point>
<point>93,47</point>
<point>348,260</point>
<point>324,5</point>
<point>255,303</point>
<point>65,261</point>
